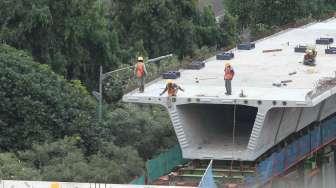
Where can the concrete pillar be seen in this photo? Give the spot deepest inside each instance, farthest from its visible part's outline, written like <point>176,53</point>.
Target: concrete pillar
<point>328,171</point>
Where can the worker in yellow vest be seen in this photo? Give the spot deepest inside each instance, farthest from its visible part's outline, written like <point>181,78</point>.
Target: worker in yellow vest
<point>140,72</point>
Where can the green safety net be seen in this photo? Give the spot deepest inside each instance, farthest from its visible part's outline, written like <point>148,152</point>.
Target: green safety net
<point>164,163</point>
<point>139,181</point>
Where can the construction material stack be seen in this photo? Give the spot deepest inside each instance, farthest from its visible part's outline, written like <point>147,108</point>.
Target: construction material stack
<point>225,56</point>
<point>246,46</point>
<point>171,75</point>
<point>196,65</point>
<point>330,50</point>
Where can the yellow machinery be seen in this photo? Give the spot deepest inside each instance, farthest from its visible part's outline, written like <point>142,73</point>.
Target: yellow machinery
<point>310,56</point>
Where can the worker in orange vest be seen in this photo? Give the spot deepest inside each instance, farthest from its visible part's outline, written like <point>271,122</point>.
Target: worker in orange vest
<point>172,89</point>
<point>140,72</point>
<point>228,76</point>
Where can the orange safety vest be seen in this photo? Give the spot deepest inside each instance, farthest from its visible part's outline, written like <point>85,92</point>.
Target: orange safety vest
<point>172,90</point>
<point>229,73</point>
<point>140,69</point>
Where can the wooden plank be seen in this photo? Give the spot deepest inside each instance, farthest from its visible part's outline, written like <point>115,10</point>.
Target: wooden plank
<point>272,50</point>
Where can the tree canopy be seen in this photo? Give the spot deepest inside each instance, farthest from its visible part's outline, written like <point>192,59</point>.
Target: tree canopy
<point>50,125</point>
<point>75,37</point>
<point>38,104</point>
<point>277,12</point>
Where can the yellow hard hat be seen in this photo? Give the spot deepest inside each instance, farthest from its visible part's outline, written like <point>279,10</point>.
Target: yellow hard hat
<point>227,64</point>
<point>169,81</point>
<point>140,58</point>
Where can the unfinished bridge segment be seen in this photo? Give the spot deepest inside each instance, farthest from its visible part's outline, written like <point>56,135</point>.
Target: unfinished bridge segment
<point>282,96</point>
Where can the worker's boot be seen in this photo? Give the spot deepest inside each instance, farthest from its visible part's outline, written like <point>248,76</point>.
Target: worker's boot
<point>309,62</point>
<point>228,92</point>
<point>142,89</point>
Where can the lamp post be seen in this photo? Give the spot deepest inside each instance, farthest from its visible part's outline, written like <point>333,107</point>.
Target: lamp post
<point>100,93</point>
<point>103,76</point>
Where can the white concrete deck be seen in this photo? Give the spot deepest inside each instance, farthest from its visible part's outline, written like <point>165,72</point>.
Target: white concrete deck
<point>202,116</point>
<point>257,71</point>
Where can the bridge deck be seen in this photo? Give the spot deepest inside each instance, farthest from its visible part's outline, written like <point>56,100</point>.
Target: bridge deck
<point>204,117</point>
<point>257,71</point>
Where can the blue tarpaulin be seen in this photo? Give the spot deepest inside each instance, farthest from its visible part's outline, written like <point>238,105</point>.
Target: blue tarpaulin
<point>328,130</point>
<point>287,156</point>
<point>315,138</point>
<point>279,162</point>
<point>304,145</point>
<point>292,153</point>
<point>208,180</point>
<point>265,169</point>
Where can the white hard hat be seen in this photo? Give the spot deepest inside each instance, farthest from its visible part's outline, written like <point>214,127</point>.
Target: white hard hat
<point>140,58</point>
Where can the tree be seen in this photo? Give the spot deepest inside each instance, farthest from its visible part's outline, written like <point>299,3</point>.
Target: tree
<point>229,30</point>
<point>11,168</point>
<point>277,12</point>
<point>207,30</point>
<point>164,26</point>
<point>51,123</point>
<point>63,160</point>
<point>72,37</point>
<point>149,127</point>
<point>38,105</point>
<point>244,10</point>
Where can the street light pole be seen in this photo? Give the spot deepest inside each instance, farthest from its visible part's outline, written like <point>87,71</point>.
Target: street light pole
<point>100,93</point>
<point>102,76</point>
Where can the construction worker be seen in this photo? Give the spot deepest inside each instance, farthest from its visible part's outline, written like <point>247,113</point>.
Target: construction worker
<point>140,72</point>
<point>172,89</point>
<point>228,76</point>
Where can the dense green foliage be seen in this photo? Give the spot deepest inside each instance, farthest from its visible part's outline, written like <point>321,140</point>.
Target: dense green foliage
<point>75,37</point>
<point>252,13</point>
<point>70,36</point>
<point>50,125</point>
<point>38,104</point>
<point>164,26</point>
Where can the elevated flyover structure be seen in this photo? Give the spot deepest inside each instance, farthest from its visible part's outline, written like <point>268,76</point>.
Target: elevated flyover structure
<point>204,117</point>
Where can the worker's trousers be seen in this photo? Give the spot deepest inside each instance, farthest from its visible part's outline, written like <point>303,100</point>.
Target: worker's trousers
<point>141,83</point>
<point>228,86</point>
